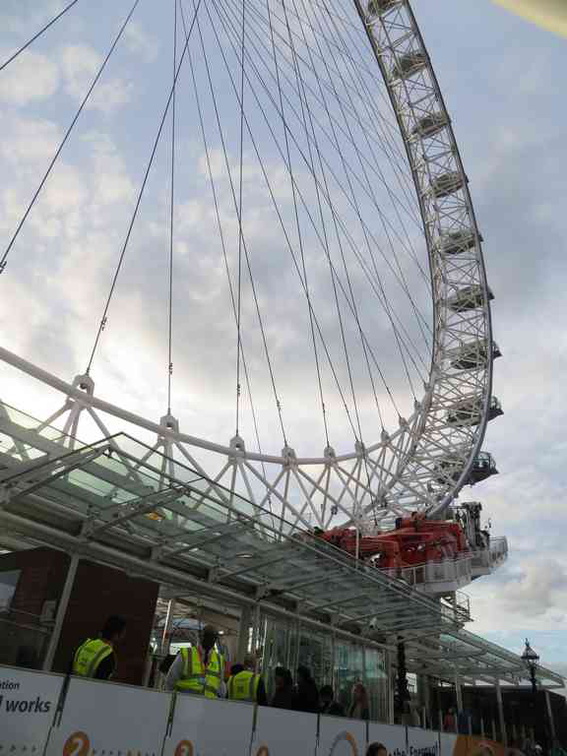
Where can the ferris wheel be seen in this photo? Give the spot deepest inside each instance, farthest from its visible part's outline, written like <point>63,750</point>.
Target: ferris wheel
<point>310,179</point>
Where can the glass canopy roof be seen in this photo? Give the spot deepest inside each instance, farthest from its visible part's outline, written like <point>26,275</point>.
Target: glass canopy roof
<point>116,501</point>
<point>472,659</point>
<point>109,502</point>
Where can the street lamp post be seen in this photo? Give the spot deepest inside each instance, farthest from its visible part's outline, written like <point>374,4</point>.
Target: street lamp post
<point>531,659</point>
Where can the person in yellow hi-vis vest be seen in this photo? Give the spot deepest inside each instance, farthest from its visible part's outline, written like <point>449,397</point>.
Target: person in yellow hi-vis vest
<point>96,657</point>
<point>200,669</point>
<point>244,685</point>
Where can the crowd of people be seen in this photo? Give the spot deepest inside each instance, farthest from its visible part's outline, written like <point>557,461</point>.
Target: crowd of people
<point>200,669</point>
<point>306,696</point>
<point>197,669</point>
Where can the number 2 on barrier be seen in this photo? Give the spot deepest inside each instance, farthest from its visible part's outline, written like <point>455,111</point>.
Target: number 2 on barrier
<point>77,744</point>
<point>184,748</point>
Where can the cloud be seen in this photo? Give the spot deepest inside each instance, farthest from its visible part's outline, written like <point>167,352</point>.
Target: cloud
<point>112,183</point>
<point>29,78</point>
<point>19,17</point>
<point>79,65</point>
<point>140,42</point>
<point>28,141</point>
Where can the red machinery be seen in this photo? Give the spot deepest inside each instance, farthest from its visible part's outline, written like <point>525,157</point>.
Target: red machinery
<point>415,540</point>
<point>378,548</point>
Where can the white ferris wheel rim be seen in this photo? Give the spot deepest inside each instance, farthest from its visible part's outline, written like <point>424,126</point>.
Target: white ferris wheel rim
<point>404,442</point>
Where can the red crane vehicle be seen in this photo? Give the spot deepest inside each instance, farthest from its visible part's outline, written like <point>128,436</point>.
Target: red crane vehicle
<point>436,556</point>
<point>430,554</point>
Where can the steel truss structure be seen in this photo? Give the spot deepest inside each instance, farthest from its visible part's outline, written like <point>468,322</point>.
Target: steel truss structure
<point>422,464</point>
<point>106,502</point>
<point>471,659</point>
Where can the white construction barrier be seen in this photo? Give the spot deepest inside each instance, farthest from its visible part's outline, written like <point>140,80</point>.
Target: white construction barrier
<point>427,742</point>
<point>200,725</point>
<point>49,715</point>
<point>104,718</point>
<point>341,737</point>
<point>28,701</point>
<point>392,736</point>
<point>278,734</point>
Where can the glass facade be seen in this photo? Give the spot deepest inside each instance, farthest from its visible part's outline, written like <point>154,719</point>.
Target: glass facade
<point>332,661</point>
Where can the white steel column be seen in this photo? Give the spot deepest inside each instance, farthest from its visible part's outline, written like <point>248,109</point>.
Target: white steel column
<point>166,635</point>
<point>424,695</point>
<point>297,648</point>
<point>390,687</point>
<point>332,680</point>
<point>503,733</point>
<point>458,692</point>
<point>256,635</point>
<point>61,612</point>
<point>243,633</point>
<point>550,715</point>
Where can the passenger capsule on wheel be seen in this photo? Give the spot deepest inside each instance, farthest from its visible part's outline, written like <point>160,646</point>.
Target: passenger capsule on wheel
<point>469,411</point>
<point>456,242</point>
<point>469,298</point>
<point>447,183</point>
<point>430,124</point>
<point>409,64</point>
<point>379,7</point>
<point>484,466</point>
<point>474,355</point>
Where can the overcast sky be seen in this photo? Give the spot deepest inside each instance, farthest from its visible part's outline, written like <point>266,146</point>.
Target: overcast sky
<point>502,81</point>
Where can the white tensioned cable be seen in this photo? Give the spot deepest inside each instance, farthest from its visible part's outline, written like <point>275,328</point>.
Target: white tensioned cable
<point>171,224</point>
<point>226,26</point>
<point>314,54</point>
<point>223,246</point>
<point>325,193</point>
<point>300,237</point>
<point>282,224</point>
<point>37,35</point>
<point>134,215</point>
<point>241,234</point>
<point>301,93</point>
<point>84,101</point>
<point>242,240</point>
<point>353,204</point>
<point>358,213</point>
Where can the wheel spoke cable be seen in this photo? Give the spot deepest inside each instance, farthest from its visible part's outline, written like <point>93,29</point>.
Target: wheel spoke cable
<point>118,268</point>
<point>4,258</point>
<point>299,232</point>
<point>37,35</point>
<point>224,254</point>
<point>236,206</point>
<point>171,218</point>
<point>227,26</point>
